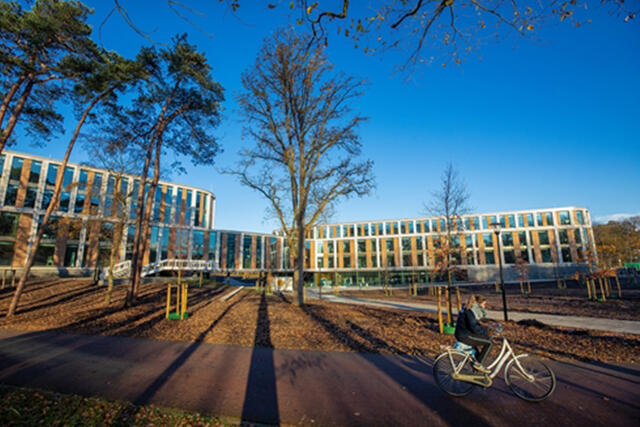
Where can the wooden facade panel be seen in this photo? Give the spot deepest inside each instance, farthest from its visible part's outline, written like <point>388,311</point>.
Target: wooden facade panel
<point>206,245</point>
<point>22,240</point>
<point>171,252</point>
<point>223,250</point>
<point>254,243</point>
<point>61,242</point>
<point>86,209</point>
<point>414,252</point>
<point>24,180</point>
<point>93,230</point>
<point>238,251</point>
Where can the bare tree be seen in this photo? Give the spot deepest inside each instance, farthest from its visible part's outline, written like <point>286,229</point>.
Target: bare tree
<point>427,30</point>
<point>304,156</point>
<point>449,203</point>
<point>121,159</point>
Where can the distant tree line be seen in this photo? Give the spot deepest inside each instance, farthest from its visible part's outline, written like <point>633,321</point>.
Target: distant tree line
<point>618,242</point>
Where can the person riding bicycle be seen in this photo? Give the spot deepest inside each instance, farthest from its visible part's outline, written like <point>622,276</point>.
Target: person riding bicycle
<point>471,332</point>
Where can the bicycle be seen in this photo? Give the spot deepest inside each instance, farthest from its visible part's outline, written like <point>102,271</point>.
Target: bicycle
<point>528,377</point>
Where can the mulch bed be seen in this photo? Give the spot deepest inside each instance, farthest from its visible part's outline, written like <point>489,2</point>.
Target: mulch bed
<point>252,318</point>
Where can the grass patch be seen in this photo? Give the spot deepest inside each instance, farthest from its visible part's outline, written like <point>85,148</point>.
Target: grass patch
<point>27,407</point>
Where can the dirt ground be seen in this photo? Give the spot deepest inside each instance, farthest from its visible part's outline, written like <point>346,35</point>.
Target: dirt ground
<point>545,298</point>
<point>250,318</point>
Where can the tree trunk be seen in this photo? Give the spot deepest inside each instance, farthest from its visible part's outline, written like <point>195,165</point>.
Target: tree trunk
<point>135,267</point>
<point>148,209</point>
<point>9,96</point>
<point>52,205</point>
<point>300,264</point>
<point>15,114</point>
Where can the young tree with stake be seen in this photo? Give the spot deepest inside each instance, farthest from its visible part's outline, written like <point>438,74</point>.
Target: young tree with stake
<point>449,203</point>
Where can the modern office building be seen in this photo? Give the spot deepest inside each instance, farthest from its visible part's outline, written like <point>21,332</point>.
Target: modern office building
<point>552,241</point>
<point>79,237</point>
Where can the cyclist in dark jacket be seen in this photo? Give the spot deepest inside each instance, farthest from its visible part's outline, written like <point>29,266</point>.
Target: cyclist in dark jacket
<point>471,332</point>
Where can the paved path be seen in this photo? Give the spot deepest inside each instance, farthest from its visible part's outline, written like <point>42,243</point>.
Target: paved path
<point>303,387</point>
<point>613,325</point>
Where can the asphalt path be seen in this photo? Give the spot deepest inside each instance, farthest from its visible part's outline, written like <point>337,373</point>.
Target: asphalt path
<point>567,321</point>
<point>258,384</point>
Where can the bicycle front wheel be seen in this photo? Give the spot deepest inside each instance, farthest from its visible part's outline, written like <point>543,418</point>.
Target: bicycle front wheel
<point>445,365</point>
<point>530,378</point>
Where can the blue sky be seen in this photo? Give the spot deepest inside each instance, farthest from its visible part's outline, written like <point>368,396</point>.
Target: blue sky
<point>528,123</point>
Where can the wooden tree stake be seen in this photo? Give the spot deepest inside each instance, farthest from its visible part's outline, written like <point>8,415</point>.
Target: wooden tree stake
<point>440,324</point>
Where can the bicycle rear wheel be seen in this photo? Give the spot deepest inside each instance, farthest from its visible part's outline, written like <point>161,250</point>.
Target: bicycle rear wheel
<point>443,368</point>
<point>530,378</point>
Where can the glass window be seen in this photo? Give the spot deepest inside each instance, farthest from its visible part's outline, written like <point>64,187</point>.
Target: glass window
<point>512,221</point>
<point>549,216</point>
<point>580,217</point>
<point>411,227</point>
<point>565,219</point>
<point>425,226</point>
<point>8,224</point>
<point>503,221</point>
<point>530,220</point>
<point>389,244</point>
<point>564,236</point>
<point>469,241</point>
<point>65,196</point>
<point>489,257</point>
<point>442,225</point>
<point>566,255</point>
<point>52,173</point>
<point>434,226</point>
<point>2,158</point>
<point>387,228</point>
<point>396,229</point>
<point>539,219</point>
<point>507,239</point>
<point>520,220</point>
<point>47,195</point>
<point>578,235</point>
<point>34,173</point>
<point>30,197</point>
<point>68,177</point>
<point>406,244</point>
<point>11,195</point>
<point>488,240</point>
<point>509,257</point>
<point>523,239</point>
<point>467,223</point>
<point>97,183</point>
<point>544,237</point>
<point>82,180</point>
<point>79,203</point>
<point>16,168</point>
<point>546,255</point>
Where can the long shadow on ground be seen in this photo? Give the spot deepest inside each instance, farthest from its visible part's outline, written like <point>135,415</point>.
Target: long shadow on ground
<point>450,411</point>
<point>261,399</point>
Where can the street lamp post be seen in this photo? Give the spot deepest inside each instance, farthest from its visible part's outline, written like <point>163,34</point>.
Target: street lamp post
<point>496,228</point>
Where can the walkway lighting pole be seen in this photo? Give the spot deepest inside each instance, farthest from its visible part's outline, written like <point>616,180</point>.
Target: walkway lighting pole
<point>496,230</point>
